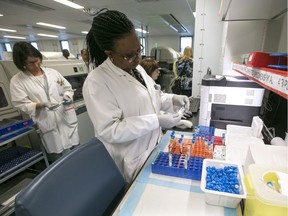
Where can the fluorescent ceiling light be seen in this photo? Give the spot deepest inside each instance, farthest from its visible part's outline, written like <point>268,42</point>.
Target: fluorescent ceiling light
<point>16,37</point>
<point>171,26</point>
<point>7,30</point>
<point>1,15</point>
<point>50,25</point>
<point>141,30</point>
<point>47,35</point>
<point>70,4</point>
<point>173,23</point>
<point>84,32</point>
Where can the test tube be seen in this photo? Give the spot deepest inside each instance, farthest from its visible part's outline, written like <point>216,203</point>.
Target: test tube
<point>188,151</point>
<point>185,162</point>
<point>223,138</point>
<point>210,149</point>
<point>180,144</point>
<point>170,159</point>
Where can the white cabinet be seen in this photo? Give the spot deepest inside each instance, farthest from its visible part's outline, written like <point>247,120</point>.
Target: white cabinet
<point>252,26</point>
<point>239,10</point>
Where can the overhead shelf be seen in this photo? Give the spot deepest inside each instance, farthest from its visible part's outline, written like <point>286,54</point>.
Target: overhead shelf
<point>271,79</point>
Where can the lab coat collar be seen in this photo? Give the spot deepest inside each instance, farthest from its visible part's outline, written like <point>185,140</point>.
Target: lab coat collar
<point>28,73</point>
<point>121,73</point>
<point>114,68</point>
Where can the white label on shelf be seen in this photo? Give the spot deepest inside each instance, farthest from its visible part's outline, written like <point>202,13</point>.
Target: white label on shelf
<point>273,81</point>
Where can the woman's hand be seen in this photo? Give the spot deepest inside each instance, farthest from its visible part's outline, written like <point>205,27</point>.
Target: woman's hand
<point>181,100</point>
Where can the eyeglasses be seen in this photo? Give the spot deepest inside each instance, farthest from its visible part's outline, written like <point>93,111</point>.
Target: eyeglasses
<point>130,58</point>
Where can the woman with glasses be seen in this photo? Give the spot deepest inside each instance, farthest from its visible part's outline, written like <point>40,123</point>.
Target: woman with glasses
<point>122,101</point>
<point>46,96</point>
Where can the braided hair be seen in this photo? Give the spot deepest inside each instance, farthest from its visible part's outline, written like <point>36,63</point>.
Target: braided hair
<point>107,28</point>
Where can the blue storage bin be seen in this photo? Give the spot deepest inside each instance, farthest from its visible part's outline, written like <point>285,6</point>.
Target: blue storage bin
<point>25,123</point>
<point>8,128</point>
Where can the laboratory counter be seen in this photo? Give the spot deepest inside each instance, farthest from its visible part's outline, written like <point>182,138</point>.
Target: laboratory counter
<point>155,194</point>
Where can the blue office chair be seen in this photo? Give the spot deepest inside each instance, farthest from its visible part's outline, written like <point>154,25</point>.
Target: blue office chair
<point>82,183</point>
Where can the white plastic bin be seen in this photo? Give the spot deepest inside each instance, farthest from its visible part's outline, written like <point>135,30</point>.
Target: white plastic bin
<point>218,198</point>
<point>237,147</point>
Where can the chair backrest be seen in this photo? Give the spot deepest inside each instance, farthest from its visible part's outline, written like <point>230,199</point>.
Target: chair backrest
<point>84,182</point>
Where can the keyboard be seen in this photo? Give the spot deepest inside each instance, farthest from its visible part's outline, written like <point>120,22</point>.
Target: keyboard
<point>194,104</point>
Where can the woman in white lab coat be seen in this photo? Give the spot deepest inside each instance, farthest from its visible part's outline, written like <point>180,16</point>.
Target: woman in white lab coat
<point>122,101</point>
<point>46,96</point>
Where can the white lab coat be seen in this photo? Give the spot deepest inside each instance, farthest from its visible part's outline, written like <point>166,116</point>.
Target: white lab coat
<point>59,127</point>
<point>89,66</point>
<point>124,114</point>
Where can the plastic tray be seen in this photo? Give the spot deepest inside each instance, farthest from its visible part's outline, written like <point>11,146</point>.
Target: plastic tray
<point>25,123</point>
<point>14,157</point>
<point>15,128</point>
<point>8,128</point>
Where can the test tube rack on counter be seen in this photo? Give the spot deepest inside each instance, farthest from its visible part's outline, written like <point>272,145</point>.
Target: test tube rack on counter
<point>185,156</point>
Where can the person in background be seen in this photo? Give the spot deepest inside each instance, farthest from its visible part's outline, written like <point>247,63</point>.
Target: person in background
<point>151,67</point>
<point>183,67</point>
<point>122,100</point>
<point>86,58</point>
<point>46,96</point>
<point>66,53</point>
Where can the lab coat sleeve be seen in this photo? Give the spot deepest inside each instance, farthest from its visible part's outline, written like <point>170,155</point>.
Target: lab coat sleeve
<point>20,98</point>
<point>166,102</point>
<point>108,119</point>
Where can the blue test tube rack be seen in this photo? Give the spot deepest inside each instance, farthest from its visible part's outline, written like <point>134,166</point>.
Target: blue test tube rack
<point>160,165</point>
